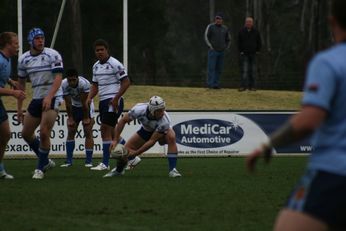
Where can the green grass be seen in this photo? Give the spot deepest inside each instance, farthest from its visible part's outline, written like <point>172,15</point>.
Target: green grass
<point>213,194</point>
<point>180,98</point>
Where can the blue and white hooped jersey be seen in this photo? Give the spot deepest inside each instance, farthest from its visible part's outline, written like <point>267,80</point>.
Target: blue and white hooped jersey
<point>82,87</point>
<point>325,88</point>
<point>140,112</point>
<point>5,69</point>
<point>40,69</point>
<point>108,76</point>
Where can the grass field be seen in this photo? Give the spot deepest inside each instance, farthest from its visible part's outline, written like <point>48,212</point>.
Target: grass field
<point>182,98</point>
<point>213,194</point>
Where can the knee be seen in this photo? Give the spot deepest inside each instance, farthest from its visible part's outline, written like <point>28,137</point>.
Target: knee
<point>170,139</point>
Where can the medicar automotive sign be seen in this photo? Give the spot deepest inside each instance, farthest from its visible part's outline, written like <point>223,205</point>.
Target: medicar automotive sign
<point>198,133</point>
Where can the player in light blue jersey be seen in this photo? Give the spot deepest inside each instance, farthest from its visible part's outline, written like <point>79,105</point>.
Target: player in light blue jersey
<point>156,127</point>
<point>318,201</point>
<point>75,90</point>
<point>8,48</point>
<point>44,67</point>
<point>110,81</point>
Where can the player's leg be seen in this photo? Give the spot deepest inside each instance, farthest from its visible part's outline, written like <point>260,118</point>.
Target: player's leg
<point>70,144</point>
<point>172,152</point>
<point>5,137</point>
<point>289,220</point>
<point>135,142</point>
<point>46,126</point>
<point>28,132</point>
<point>89,142</point>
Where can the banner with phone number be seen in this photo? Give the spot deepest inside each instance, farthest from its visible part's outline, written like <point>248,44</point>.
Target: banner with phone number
<point>198,133</point>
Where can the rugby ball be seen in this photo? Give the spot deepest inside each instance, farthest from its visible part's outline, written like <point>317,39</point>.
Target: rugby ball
<point>119,151</point>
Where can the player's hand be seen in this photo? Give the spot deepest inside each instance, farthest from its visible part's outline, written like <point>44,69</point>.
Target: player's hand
<point>265,151</point>
<point>46,104</point>
<point>86,121</point>
<point>114,103</point>
<point>18,94</point>
<point>20,116</point>
<point>112,146</point>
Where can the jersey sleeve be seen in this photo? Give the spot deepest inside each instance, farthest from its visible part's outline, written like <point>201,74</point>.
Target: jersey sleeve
<point>56,62</point>
<point>320,84</point>
<point>21,68</point>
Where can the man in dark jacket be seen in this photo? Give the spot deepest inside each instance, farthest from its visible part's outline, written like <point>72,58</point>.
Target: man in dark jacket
<point>218,40</point>
<point>249,44</point>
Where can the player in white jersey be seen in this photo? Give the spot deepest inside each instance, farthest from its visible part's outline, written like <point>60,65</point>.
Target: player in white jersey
<point>75,90</point>
<point>8,48</point>
<point>318,202</point>
<point>110,81</point>
<point>44,67</point>
<point>156,127</point>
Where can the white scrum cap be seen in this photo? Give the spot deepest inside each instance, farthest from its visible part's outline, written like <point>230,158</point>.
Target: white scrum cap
<point>155,103</point>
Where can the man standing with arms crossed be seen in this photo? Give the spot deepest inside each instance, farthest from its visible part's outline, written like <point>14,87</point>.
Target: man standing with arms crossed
<point>110,81</point>
<point>44,67</point>
<point>8,48</point>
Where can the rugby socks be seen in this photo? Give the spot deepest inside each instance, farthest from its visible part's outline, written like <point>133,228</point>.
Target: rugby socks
<point>35,145</point>
<point>172,160</point>
<point>105,146</point>
<point>43,158</point>
<point>70,144</point>
<point>88,155</point>
<point>122,141</point>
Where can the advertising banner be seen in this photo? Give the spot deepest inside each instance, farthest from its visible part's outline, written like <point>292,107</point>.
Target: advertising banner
<point>198,133</point>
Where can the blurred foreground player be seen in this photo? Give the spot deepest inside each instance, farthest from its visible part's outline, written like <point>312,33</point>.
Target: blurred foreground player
<point>318,201</point>
<point>8,48</point>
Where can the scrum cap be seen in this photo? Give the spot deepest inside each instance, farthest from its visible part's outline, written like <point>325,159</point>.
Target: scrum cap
<point>155,103</point>
<point>33,33</point>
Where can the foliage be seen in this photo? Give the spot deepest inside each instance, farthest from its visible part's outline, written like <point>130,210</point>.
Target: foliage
<point>166,38</point>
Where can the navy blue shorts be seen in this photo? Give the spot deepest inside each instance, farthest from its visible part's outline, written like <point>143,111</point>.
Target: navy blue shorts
<point>35,106</point>
<point>3,113</point>
<point>322,195</point>
<point>107,115</point>
<point>144,134</point>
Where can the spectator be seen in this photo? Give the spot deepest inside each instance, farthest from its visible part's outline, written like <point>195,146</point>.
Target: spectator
<point>249,44</point>
<point>218,40</point>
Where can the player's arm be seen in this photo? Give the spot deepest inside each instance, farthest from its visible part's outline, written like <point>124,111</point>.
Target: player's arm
<point>124,85</point>
<point>85,105</point>
<point>68,105</point>
<point>153,139</point>
<point>18,94</point>
<point>119,129</point>
<point>93,92</point>
<point>298,127</point>
<point>53,90</point>
<point>21,86</point>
